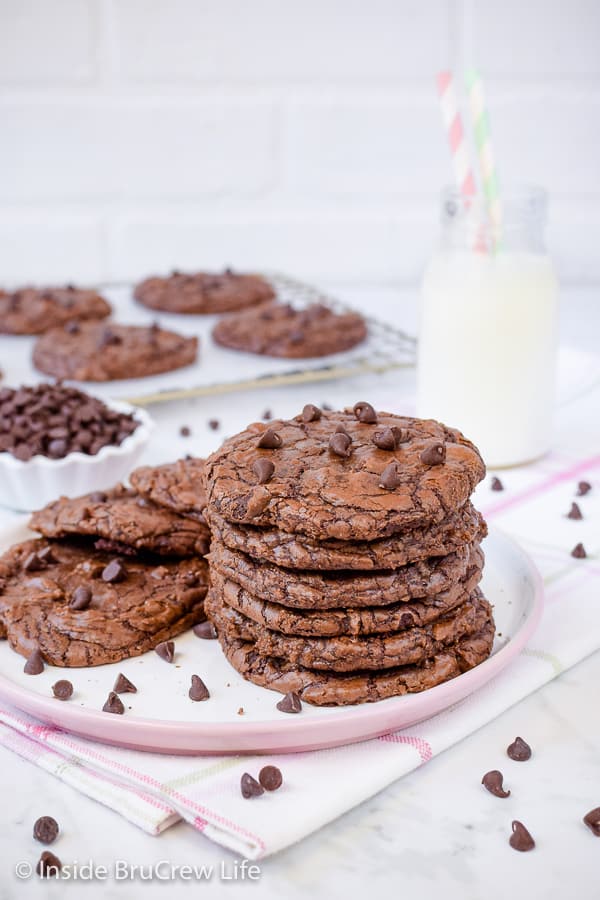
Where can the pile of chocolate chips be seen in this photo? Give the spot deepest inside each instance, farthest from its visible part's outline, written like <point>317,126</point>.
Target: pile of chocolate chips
<point>53,420</point>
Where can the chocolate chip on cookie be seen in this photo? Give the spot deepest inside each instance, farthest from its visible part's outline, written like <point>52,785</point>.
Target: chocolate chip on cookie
<point>364,412</point>
<point>434,455</point>
<point>269,440</point>
<point>263,469</point>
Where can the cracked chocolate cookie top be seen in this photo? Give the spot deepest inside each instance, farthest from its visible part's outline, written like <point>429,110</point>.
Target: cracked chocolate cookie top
<point>178,486</point>
<point>350,475</point>
<point>203,292</point>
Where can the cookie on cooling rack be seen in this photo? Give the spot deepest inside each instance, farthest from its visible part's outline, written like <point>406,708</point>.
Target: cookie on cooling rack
<point>203,292</point>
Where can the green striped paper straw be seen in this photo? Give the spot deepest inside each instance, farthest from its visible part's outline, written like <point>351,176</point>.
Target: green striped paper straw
<point>483,143</point>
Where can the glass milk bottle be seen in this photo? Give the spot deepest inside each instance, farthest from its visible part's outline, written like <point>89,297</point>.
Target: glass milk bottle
<point>488,336</point>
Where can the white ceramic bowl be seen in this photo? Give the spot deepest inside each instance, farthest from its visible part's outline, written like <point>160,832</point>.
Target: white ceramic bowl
<point>30,485</point>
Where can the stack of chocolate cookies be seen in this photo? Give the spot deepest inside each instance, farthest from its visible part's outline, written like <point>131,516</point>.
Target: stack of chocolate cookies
<point>345,555</point>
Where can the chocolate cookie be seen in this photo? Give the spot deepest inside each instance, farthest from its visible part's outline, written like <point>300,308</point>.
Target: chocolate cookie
<point>178,486</point>
<point>123,521</point>
<point>95,351</point>
<point>36,310</point>
<point>353,620</point>
<point>350,476</point>
<point>342,653</point>
<point>281,330</point>
<point>318,590</point>
<point>341,689</point>
<point>300,552</point>
<point>203,292</point>
<point>55,597</point>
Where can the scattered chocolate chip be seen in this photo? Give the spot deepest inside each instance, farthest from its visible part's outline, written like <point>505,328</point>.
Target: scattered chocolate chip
<point>291,703</point>
<point>340,443</point>
<point>185,431</point>
<point>63,689</point>
<point>520,838</point>
<point>267,415</point>
<point>198,690</point>
<point>270,778</point>
<point>114,571</point>
<point>574,512</point>
<point>492,781</point>
<point>45,830</point>
<point>583,488</point>
<point>390,479</point>
<point>205,630</point>
<point>32,563</point>
<point>123,685</point>
<point>311,413</point>
<point>578,551</point>
<point>114,704</point>
<point>263,469</point>
<point>166,650</point>
<point>434,455</point>
<point>385,440</point>
<point>364,412</point>
<point>48,865</point>
<point>213,424</point>
<point>269,440</point>
<point>592,820</point>
<point>34,664</point>
<point>497,484</point>
<point>250,786</point>
<point>519,750</point>
<point>81,598</point>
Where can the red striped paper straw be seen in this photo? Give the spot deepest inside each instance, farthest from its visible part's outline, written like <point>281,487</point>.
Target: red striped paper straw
<point>463,172</point>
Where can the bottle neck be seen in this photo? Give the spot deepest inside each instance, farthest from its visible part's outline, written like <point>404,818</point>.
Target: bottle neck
<point>515,224</point>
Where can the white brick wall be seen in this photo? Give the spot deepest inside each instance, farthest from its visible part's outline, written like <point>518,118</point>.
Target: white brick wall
<point>139,135</point>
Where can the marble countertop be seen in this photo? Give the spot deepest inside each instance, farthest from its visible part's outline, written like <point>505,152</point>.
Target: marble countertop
<point>435,830</point>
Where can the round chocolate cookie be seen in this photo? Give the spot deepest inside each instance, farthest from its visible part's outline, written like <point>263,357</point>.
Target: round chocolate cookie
<point>80,607</point>
<point>354,475</point>
<point>296,551</point>
<point>317,590</point>
<point>342,653</point>
<point>341,689</point>
<point>122,522</point>
<point>35,310</point>
<point>347,621</point>
<point>178,486</point>
<point>203,292</point>
<point>281,330</point>
<point>95,351</point>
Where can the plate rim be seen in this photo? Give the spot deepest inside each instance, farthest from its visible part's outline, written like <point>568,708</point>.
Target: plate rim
<point>290,734</point>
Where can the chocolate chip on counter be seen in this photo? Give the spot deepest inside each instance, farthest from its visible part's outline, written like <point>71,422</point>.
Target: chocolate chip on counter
<point>311,413</point>
<point>114,704</point>
<point>291,703</point>
<point>365,413</point>
<point>205,630</point>
<point>340,444</point>
<point>81,598</point>
<point>520,838</point>
<point>185,431</point>
<point>583,488</point>
<point>390,479</point>
<point>114,571</point>
<point>45,829</point>
<point>384,440</point>
<point>270,778</point>
<point>575,512</point>
<point>592,820</point>
<point>213,424</point>
<point>492,781</point>
<point>434,455</point>
<point>48,865</point>
<point>269,440</point>
<point>267,415</point>
<point>250,786</point>
<point>578,551</point>
<point>198,690</point>
<point>166,650</point>
<point>519,750</point>
<point>34,664</point>
<point>263,469</point>
<point>497,484</point>
<point>63,689</point>
<point>123,685</point>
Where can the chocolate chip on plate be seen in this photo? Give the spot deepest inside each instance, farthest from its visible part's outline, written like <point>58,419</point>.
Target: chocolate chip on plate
<point>434,455</point>
<point>269,440</point>
<point>34,664</point>
<point>583,488</point>
<point>114,571</point>
<point>592,820</point>
<point>48,865</point>
<point>291,703</point>
<point>365,413</point>
<point>390,479</point>
<point>578,551</point>
<point>250,786</point>
<point>519,750</point>
<point>492,781</point>
<point>520,838</point>
<point>205,630</point>
<point>45,829</point>
<point>270,778</point>
<point>198,690</point>
<point>114,704</point>
<point>575,512</point>
<point>263,469</point>
<point>497,484</point>
<point>123,685</point>
<point>63,689</point>
<point>166,650</point>
<point>81,597</point>
<point>311,413</point>
<point>340,443</point>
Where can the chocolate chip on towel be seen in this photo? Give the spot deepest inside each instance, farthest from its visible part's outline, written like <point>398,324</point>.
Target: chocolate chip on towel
<point>250,786</point>
<point>270,778</point>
